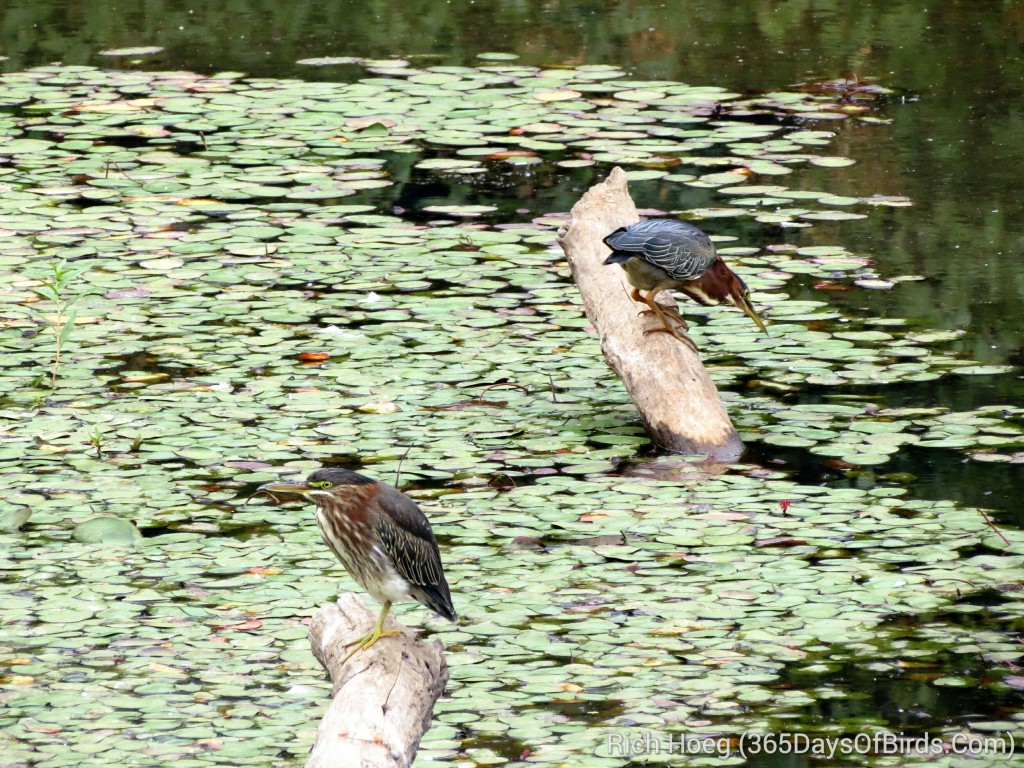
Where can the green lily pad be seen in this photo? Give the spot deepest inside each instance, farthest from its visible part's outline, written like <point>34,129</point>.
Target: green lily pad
<point>106,530</point>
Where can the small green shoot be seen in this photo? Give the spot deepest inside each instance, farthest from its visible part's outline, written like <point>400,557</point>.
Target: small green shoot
<point>96,440</point>
<point>54,289</point>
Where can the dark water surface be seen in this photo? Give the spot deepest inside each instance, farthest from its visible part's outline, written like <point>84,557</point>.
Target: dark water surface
<point>955,144</point>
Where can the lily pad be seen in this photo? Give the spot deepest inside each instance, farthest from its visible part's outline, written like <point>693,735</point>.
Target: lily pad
<point>107,530</point>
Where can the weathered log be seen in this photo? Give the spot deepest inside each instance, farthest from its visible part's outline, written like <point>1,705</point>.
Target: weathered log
<point>383,696</point>
<point>676,399</point>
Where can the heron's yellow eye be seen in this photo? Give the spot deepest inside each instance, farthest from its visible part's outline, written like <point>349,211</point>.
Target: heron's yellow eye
<point>325,484</point>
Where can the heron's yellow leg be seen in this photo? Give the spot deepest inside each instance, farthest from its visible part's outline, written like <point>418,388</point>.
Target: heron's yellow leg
<point>373,635</point>
<point>660,311</point>
<point>673,313</point>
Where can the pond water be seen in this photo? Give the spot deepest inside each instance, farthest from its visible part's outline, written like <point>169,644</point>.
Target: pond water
<point>949,137</point>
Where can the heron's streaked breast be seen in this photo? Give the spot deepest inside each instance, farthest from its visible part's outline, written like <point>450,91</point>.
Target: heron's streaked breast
<point>350,535</point>
<point>695,292</point>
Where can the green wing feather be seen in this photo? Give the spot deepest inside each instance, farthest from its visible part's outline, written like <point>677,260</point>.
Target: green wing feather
<point>405,534</point>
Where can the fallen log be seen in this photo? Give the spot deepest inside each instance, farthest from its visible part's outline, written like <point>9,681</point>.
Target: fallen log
<point>383,696</point>
<point>676,399</point>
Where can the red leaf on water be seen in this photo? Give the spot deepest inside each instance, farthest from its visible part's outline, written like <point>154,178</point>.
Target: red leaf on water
<point>245,626</point>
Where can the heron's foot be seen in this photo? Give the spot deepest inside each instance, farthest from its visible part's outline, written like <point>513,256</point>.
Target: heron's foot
<point>367,640</point>
<point>670,312</point>
<point>676,333</point>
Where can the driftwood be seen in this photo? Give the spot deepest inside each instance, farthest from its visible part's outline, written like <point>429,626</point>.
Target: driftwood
<point>383,696</point>
<point>666,380</point>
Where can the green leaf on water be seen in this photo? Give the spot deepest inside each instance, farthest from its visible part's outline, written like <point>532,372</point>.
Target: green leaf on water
<point>106,530</point>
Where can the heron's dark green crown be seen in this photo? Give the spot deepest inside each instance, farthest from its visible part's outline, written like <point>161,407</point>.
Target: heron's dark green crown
<point>338,477</point>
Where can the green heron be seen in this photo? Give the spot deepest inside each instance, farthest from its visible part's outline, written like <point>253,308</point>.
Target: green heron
<point>381,537</point>
<point>660,254</point>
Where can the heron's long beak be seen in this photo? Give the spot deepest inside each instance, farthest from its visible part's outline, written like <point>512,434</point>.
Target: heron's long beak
<point>301,490</point>
<point>748,307</point>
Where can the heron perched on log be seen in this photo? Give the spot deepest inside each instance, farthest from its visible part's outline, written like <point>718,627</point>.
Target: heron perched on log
<point>381,537</point>
<point>661,254</point>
